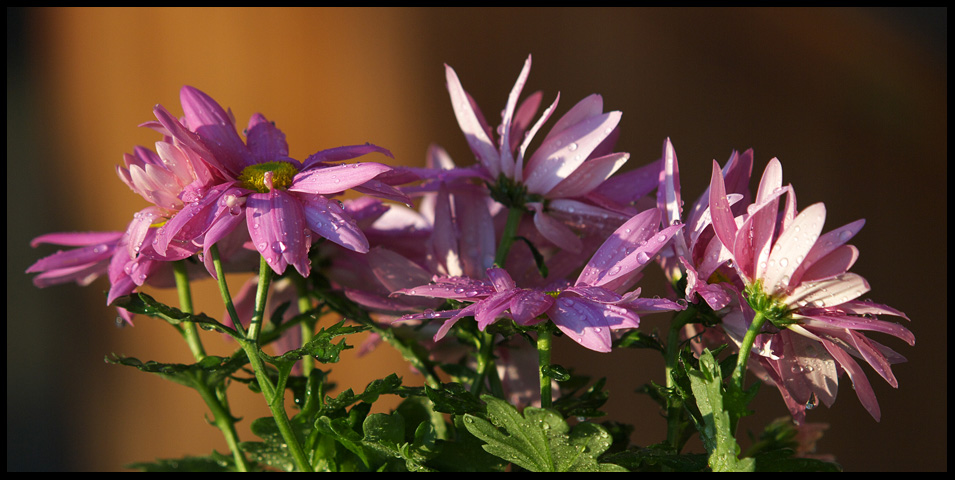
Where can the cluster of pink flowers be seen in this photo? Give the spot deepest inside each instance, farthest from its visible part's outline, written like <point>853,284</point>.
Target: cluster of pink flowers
<point>420,239</point>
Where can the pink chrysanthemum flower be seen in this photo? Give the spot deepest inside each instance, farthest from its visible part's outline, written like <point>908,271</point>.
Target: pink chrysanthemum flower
<point>693,254</point>
<point>572,160</point>
<point>281,200</point>
<point>587,311</point>
<point>798,279</point>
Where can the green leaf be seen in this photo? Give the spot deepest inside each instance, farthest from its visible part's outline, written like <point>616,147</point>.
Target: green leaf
<point>145,305</point>
<point>320,346</point>
<point>658,458</point>
<point>540,440</point>
<point>216,462</point>
<point>210,371</point>
<point>716,427</point>
<point>455,399</point>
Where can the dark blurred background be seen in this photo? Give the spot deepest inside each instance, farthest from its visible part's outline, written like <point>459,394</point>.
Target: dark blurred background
<point>852,101</point>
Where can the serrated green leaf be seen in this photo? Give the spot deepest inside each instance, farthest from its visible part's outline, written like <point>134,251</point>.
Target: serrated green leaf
<point>453,398</point>
<point>540,440</point>
<point>716,428</point>
<point>209,371</point>
<point>144,304</point>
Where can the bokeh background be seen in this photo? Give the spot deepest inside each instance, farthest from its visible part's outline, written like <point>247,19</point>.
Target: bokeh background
<point>853,102</point>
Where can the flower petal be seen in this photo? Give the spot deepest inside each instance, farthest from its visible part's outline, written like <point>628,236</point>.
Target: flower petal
<point>474,132</point>
<point>559,155</point>
<point>328,219</point>
<point>337,178</point>
<point>790,249</point>
<point>829,292</point>
<point>588,176</point>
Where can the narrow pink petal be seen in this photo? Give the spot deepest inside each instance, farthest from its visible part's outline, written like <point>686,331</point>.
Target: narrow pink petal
<point>834,320</point>
<point>444,237</point>
<point>807,369</point>
<point>192,221</point>
<point>837,262</point>
<point>521,153</point>
<point>829,292</point>
<point>559,155</point>
<point>395,271</point>
<point>500,279</point>
<point>527,305</point>
<point>556,232</point>
<point>582,322</point>
<point>507,159</point>
<point>668,195</point>
<point>77,239</point>
<point>340,154</point>
<point>260,217</point>
<point>590,106</point>
<point>475,224</point>
<point>266,142</point>
<point>215,127</point>
<point>523,118</point>
<point>493,307</point>
<point>791,247</point>
<point>860,383</point>
<point>589,176</point>
<point>328,219</point>
<point>337,178</point>
<point>474,132</point>
<point>827,242</point>
<point>723,223</point>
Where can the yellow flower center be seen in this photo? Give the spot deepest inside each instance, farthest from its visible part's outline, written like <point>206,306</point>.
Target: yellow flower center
<point>253,176</point>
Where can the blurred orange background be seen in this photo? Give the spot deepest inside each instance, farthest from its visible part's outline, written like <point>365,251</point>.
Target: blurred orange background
<point>852,101</point>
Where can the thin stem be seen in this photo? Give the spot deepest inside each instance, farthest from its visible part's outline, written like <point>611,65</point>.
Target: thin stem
<point>484,362</point>
<point>745,348</point>
<point>261,295</point>
<point>215,400</point>
<point>189,331</point>
<point>507,237</point>
<point>543,356</point>
<point>224,290</point>
<point>672,355</point>
<point>308,329</point>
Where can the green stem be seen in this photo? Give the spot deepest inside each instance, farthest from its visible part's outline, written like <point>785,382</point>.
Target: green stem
<point>674,405</point>
<point>507,237</point>
<point>275,397</point>
<point>261,295</point>
<point>739,373</point>
<point>308,329</point>
<point>215,400</point>
<point>484,362</point>
<point>543,356</point>
<point>189,331</point>
<point>224,290</point>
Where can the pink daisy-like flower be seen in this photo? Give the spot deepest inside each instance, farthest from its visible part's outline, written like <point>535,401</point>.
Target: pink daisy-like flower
<point>572,160</point>
<point>281,200</point>
<point>798,279</point>
<point>586,312</point>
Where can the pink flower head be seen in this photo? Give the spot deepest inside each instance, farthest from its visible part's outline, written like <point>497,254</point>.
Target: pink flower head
<point>572,160</point>
<point>590,309</point>
<point>282,201</point>
<point>695,249</point>
<point>798,278</point>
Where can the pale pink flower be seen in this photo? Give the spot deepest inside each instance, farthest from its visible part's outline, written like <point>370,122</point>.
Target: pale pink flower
<point>798,278</point>
<point>571,162</point>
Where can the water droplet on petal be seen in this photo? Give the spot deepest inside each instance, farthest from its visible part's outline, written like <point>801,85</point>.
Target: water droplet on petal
<point>572,146</point>
<point>643,258</point>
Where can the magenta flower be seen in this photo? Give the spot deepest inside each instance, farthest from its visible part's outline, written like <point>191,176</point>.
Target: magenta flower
<point>572,160</point>
<point>696,250</point>
<point>589,310</point>
<point>281,200</point>
<point>798,279</point>
<point>586,311</point>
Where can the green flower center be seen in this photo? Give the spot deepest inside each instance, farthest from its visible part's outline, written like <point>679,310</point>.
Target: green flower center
<point>774,309</point>
<point>253,176</point>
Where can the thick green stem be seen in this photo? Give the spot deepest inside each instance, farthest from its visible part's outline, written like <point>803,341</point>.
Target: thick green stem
<point>484,362</point>
<point>739,373</point>
<point>543,356</point>
<point>215,400</point>
<point>261,295</point>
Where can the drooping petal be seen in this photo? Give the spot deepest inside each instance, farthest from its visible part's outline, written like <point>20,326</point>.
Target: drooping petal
<point>276,226</point>
<point>582,322</point>
<point>527,305</point>
<point>77,239</point>
<point>328,219</point>
<point>555,231</point>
